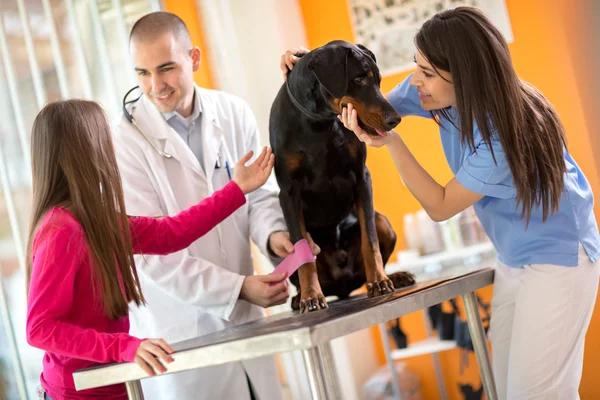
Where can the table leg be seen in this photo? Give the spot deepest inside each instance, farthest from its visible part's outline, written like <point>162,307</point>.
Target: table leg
<point>312,361</point>
<point>480,345</point>
<point>390,361</point>
<point>134,390</point>
<point>329,372</point>
<point>439,375</point>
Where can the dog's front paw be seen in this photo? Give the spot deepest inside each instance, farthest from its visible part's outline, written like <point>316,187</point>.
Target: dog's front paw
<point>312,301</point>
<point>381,287</point>
<point>296,302</point>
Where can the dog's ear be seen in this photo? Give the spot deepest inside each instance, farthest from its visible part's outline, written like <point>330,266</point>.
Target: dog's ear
<point>367,52</point>
<point>329,64</point>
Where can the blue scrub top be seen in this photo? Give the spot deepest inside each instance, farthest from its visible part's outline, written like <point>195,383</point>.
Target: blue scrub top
<point>555,241</point>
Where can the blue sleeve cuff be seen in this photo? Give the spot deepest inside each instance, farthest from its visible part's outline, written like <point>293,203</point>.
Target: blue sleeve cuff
<point>474,184</point>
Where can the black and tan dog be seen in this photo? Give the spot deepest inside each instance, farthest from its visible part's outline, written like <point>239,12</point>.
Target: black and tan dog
<point>325,184</point>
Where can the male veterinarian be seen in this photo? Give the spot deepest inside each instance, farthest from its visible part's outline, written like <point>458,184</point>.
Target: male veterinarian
<point>187,144</point>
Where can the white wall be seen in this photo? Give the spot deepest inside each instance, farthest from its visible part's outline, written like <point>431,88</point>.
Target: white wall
<point>246,40</point>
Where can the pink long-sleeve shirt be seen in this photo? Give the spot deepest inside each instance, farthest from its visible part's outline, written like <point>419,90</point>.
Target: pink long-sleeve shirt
<point>66,321</point>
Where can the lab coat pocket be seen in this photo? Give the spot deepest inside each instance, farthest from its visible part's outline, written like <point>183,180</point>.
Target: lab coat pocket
<point>223,175</point>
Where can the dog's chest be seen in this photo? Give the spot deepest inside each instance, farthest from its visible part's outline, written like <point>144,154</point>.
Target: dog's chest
<point>336,155</point>
<point>329,177</point>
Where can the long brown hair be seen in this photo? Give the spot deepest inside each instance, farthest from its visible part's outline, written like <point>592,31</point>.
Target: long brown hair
<point>74,165</point>
<point>465,43</point>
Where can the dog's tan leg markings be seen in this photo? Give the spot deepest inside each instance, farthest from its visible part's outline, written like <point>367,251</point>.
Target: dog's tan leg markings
<point>378,282</point>
<point>311,295</point>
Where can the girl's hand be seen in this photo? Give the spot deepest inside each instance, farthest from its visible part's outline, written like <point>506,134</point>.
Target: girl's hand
<point>147,353</point>
<point>289,58</point>
<point>251,177</point>
<point>349,118</point>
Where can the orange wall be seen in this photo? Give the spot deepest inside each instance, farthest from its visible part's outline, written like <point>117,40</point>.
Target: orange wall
<point>188,12</point>
<point>541,55</point>
<point>580,20</point>
<point>582,32</point>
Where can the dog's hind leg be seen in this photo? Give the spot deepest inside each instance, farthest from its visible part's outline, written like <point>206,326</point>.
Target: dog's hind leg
<point>386,236</point>
<point>402,279</point>
<point>311,295</point>
<point>387,242</point>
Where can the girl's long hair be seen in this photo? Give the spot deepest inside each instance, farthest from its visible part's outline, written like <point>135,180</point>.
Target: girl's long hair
<point>74,166</point>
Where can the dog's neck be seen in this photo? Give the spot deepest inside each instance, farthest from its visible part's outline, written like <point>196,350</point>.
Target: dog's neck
<point>303,89</point>
<point>308,113</point>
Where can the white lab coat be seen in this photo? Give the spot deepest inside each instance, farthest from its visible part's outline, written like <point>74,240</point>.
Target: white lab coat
<point>195,292</point>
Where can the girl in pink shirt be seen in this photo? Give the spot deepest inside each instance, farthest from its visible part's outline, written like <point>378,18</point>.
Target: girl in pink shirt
<point>81,273</point>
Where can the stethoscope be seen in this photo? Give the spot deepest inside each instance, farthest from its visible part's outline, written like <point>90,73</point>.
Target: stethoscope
<point>129,116</point>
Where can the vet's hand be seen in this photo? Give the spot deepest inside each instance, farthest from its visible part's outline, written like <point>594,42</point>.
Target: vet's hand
<point>281,245</point>
<point>147,353</point>
<point>265,290</point>
<point>289,58</point>
<point>251,177</point>
<point>349,118</point>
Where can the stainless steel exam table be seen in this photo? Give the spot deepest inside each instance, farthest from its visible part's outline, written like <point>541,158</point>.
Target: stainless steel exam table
<point>312,333</point>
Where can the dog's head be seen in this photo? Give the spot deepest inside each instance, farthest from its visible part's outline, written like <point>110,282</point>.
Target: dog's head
<point>348,73</point>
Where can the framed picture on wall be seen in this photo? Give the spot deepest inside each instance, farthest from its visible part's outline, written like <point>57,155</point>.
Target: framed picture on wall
<point>387,27</point>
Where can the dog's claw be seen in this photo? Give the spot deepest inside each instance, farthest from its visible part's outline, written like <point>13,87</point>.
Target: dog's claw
<point>390,285</point>
<point>313,304</point>
<point>379,288</point>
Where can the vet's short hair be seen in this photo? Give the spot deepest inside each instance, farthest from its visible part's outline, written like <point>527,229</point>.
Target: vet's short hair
<point>158,23</point>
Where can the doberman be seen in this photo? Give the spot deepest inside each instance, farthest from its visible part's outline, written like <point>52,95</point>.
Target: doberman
<point>325,184</point>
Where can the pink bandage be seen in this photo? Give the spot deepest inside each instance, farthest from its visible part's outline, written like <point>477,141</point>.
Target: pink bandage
<point>301,255</point>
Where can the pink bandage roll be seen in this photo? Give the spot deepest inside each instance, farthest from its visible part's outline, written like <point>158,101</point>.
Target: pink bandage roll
<point>301,255</point>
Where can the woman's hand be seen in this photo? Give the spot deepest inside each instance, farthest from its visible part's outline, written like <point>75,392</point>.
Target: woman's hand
<point>147,353</point>
<point>349,118</point>
<point>251,177</point>
<point>289,58</point>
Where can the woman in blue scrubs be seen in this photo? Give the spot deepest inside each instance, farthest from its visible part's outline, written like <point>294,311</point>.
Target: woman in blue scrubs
<point>506,147</point>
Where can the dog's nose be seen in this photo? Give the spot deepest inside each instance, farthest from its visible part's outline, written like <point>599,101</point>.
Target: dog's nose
<point>391,120</point>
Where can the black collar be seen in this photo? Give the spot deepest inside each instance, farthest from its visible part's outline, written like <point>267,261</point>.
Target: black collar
<point>299,106</point>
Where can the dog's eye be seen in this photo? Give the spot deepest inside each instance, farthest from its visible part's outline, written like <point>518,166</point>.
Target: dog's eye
<point>361,80</point>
